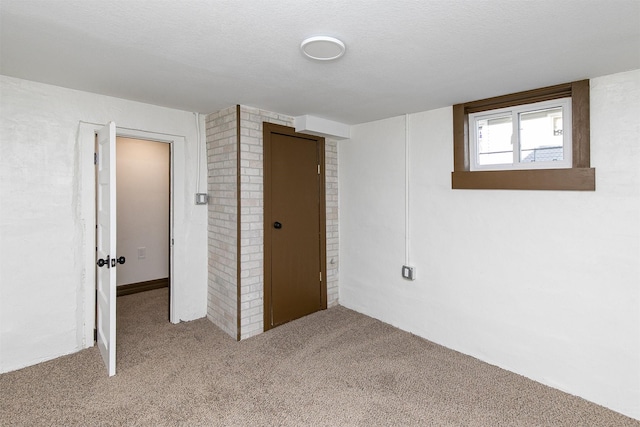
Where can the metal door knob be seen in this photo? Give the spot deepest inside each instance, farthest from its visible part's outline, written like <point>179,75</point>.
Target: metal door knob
<point>277,225</point>
<point>102,262</point>
<point>121,260</point>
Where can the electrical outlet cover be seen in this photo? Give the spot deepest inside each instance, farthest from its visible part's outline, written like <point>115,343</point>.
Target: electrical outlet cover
<point>408,273</point>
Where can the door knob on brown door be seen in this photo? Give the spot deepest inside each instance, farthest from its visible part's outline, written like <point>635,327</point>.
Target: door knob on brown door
<point>277,225</point>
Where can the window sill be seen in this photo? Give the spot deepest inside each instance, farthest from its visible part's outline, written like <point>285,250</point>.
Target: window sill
<point>574,179</point>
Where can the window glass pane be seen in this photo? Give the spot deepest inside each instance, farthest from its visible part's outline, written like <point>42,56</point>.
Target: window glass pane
<point>541,136</point>
<point>494,141</point>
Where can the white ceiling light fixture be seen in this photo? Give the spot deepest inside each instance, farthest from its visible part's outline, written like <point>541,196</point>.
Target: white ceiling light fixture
<point>322,48</point>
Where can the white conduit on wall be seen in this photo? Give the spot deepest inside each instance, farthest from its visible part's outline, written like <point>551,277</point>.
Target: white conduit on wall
<point>406,192</point>
<point>199,143</point>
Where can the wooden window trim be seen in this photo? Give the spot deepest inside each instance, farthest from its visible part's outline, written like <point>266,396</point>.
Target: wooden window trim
<point>580,177</point>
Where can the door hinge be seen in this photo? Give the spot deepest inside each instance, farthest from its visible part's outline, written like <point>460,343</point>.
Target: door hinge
<point>321,276</point>
<point>95,334</point>
<point>95,158</point>
<point>318,169</point>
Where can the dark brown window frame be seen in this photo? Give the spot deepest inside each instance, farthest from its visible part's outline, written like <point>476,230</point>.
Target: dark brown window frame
<point>580,177</point>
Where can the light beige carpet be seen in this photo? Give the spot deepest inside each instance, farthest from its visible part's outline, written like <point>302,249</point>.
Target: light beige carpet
<point>333,368</point>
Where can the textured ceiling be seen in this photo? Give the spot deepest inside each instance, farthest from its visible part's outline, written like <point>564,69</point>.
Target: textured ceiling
<point>402,55</point>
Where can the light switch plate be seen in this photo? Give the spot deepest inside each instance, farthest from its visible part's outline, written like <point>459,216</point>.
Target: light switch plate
<point>201,198</point>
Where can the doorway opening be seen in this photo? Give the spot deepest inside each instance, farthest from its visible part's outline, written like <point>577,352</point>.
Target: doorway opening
<point>101,228</point>
<point>143,217</point>
<point>143,171</point>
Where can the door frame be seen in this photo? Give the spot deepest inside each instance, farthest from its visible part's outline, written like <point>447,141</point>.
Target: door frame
<point>268,130</point>
<point>85,194</point>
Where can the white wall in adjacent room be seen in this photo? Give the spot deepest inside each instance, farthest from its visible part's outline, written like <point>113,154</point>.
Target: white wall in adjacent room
<point>142,170</point>
<point>542,283</point>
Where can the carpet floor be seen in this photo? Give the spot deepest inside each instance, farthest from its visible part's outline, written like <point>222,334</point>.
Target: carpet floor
<point>333,368</point>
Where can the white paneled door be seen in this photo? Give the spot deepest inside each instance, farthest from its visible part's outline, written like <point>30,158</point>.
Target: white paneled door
<point>106,245</point>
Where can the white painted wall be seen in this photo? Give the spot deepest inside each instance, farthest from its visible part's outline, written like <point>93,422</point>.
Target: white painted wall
<point>142,170</point>
<point>46,215</point>
<point>545,284</point>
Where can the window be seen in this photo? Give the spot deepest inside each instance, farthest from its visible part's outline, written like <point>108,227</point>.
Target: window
<point>533,140</point>
<point>530,136</point>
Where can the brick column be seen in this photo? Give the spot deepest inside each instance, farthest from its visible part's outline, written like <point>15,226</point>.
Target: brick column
<point>224,191</point>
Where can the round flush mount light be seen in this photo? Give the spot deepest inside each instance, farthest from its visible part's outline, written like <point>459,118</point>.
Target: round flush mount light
<point>322,48</point>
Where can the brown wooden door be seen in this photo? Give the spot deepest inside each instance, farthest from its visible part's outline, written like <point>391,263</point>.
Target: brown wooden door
<point>294,225</point>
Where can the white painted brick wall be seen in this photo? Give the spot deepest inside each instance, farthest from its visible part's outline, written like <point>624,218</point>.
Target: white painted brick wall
<point>221,152</point>
<point>332,214</point>
<point>222,210</point>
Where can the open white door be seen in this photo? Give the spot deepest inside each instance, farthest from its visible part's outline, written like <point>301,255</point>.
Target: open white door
<point>106,245</point>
